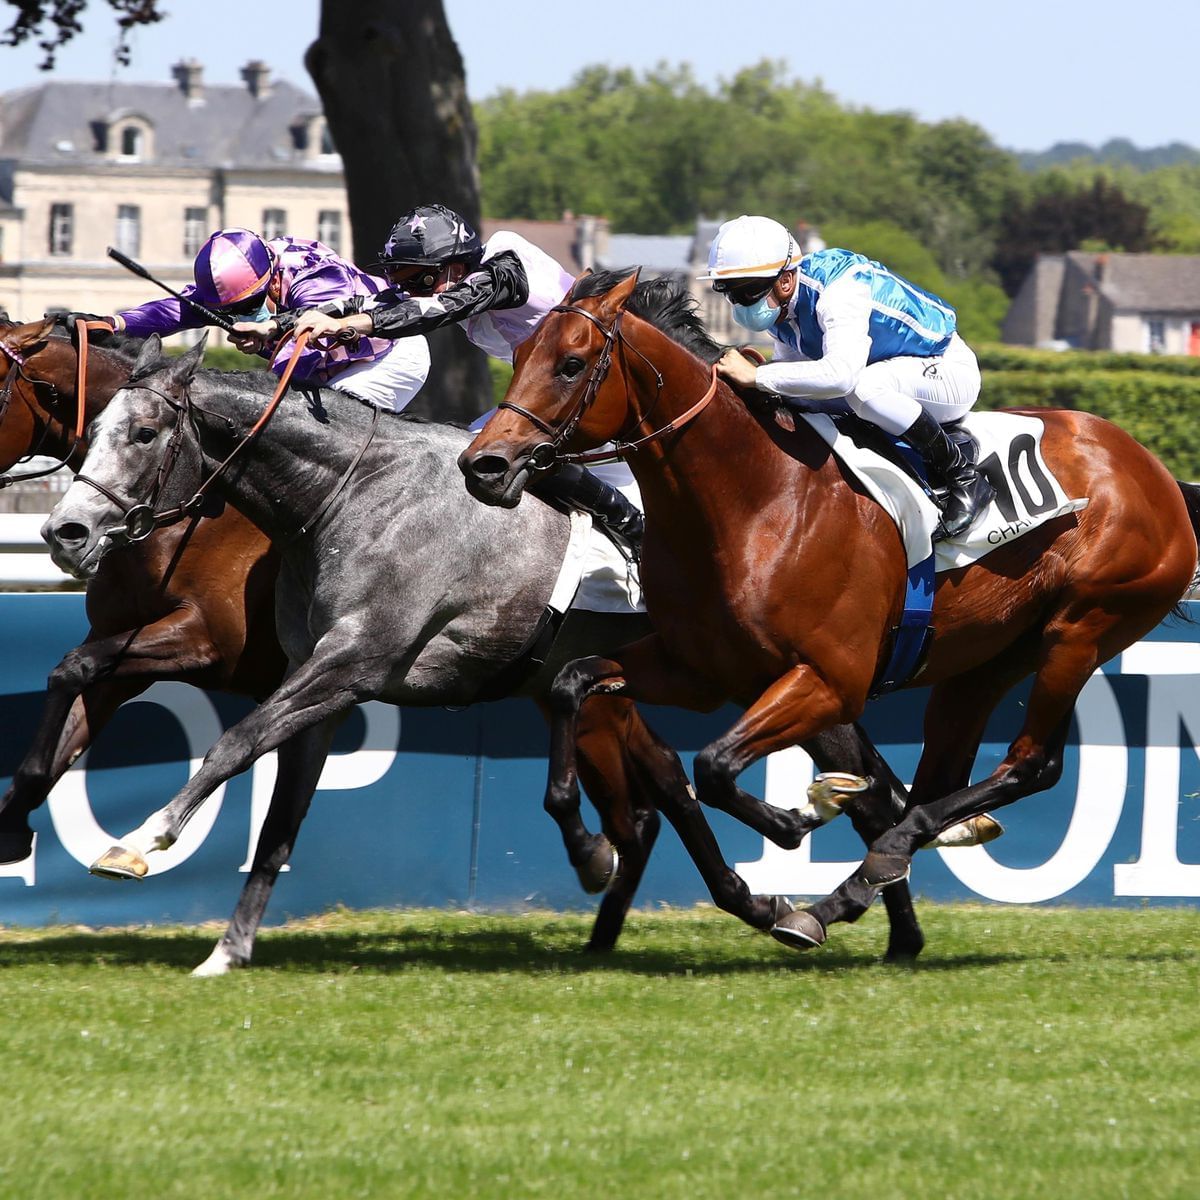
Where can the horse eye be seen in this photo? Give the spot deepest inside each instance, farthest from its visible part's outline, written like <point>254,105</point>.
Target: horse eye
<point>571,367</point>
<point>146,435</point>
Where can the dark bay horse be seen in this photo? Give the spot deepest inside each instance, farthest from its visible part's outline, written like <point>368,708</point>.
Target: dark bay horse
<point>772,579</point>
<point>388,507</point>
<point>193,603</point>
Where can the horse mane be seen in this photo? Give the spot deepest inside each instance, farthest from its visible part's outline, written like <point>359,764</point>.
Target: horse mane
<point>663,302</point>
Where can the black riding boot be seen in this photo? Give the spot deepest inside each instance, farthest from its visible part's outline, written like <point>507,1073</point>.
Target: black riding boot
<point>577,487</point>
<point>967,492</point>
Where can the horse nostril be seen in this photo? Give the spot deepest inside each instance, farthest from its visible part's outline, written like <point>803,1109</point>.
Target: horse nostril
<point>70,533</point>
<point>487,466</point>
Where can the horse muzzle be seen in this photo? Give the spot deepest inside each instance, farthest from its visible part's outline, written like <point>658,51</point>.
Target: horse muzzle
<point>492,478</point>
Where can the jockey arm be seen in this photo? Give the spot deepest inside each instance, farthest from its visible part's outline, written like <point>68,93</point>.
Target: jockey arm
<point>498,283</point>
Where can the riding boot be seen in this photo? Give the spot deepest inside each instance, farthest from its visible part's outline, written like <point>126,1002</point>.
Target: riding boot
<point>577,487</point>
<point>967,492</point>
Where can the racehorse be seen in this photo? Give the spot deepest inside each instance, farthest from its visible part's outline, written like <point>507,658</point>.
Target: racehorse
<point>379,503</point>
<point>193,603</point>
<point>774,580</point>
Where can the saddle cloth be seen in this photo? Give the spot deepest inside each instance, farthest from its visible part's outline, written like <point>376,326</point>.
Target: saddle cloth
<point>595,575</point>
<point>1010,455</point>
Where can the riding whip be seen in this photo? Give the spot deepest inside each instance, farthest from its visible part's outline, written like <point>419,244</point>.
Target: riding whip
<point>213,318</point>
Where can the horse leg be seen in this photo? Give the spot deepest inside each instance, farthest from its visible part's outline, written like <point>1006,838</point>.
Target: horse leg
<point>329,683</point>
<point>881,805</point>
<point>588,679</point>
<point>301,759</point>
<point>592,855</point>
<point>614,746</point>
<point>177,644</point>
<point>69,724</point>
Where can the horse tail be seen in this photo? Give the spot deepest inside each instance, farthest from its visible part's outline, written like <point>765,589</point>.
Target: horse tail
<point>1191,497</point>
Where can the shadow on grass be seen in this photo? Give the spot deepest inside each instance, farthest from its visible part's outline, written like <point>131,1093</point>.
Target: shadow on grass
<point>539,949</point>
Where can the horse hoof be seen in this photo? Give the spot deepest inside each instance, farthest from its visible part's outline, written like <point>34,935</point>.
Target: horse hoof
<point>975,831</point>
<point>829,791</point>
<point>882,870</point>
<point>597,874</point>
<point>120,862</point>
<point>800,930</point>
<point>16,844</point>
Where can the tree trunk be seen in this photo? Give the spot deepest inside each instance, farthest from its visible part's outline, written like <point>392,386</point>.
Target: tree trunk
<point>391,81</point>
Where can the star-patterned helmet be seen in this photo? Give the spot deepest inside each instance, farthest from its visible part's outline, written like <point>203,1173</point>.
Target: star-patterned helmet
<point>431,235</point>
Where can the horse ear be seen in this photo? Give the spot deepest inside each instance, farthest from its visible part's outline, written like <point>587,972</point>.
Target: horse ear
<point>150,353</point>
<point>26,337</point>
<point>184,368</point>
<point>569,298</point>
<point>618,297</point>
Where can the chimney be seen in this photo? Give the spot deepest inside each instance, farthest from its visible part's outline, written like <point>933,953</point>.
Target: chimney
<point>187,73</point>
<point>258,78</point>
<point>1099,267</point>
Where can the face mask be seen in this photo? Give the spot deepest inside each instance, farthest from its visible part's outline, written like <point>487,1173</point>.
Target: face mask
<point>758,316</point>
<point>261,313</point>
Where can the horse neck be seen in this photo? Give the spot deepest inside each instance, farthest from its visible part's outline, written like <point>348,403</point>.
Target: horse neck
<point>722,465</point>
<point>294,462</point>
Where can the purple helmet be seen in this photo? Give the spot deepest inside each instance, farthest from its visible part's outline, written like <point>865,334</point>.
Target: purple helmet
<point>233,267</point>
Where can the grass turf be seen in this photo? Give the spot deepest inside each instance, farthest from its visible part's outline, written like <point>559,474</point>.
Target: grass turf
<point>1029,1053</point>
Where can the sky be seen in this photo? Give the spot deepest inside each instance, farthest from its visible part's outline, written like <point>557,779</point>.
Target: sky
<point>1029,72</point>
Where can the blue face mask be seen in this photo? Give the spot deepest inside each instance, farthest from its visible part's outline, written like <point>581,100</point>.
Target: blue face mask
<point>758,316</point>
<point>261,313</point>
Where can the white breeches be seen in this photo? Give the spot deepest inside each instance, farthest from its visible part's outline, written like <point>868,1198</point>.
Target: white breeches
<point>392,381</point>
<point>892,393</point>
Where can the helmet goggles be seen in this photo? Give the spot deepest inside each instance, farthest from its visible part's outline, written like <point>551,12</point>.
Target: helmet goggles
<point>744,291</point>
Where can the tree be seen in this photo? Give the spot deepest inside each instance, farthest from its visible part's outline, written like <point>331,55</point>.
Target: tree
<point>395,62</point>
<point>1062,216</point>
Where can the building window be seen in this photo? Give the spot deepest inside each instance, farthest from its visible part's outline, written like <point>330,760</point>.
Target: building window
<point>131,142</point>
<point>329,229</point>
<point>274,223</point>
<point>195,230</point>
<point>129,229</point>
<point>327,146</point>
<point>1156,335</point>
<point>62,228</point>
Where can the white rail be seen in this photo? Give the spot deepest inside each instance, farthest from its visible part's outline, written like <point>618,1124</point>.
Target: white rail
<point>25,564</point>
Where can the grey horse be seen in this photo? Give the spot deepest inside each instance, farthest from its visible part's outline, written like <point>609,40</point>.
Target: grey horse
<point>394,585</point>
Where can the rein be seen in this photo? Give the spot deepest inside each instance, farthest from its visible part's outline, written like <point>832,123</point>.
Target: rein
<point>19,363</point>
<point>140,519</point>
<point>547,455</point>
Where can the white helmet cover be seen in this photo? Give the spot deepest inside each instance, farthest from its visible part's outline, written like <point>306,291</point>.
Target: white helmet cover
<point>751,248</point>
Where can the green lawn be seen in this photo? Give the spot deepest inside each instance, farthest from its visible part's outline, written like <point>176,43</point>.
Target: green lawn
<point>1031,1053</point>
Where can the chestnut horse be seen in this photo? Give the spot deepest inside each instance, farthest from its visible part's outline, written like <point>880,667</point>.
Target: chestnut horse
<point>774,581</point>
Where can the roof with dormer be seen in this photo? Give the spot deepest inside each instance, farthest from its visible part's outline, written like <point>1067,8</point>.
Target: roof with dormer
<point>62,123</point>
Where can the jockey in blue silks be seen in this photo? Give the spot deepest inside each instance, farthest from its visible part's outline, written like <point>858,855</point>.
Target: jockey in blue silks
<point>850,334</point>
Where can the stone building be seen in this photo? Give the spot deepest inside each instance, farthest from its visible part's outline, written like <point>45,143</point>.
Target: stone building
<point>152,169</point>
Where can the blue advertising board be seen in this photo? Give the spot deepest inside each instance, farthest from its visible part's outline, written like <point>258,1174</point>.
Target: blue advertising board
<point>434,808</point>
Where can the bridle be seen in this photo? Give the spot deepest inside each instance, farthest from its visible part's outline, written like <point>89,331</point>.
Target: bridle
<point>19,363</point>
<point>142,518</point>
<point>547,455</point>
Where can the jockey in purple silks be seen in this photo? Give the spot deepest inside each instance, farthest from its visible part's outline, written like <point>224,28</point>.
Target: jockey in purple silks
<point>240,274</point>
<point>440,274</point>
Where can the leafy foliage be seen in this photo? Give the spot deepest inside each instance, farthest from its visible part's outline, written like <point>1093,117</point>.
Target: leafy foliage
<point>55,22</point>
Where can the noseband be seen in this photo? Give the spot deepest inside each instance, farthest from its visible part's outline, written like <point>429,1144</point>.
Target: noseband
<point>547,455</point>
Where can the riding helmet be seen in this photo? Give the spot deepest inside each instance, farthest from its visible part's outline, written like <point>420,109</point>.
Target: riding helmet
<point>751,248</point>
<point>431,235</point>
<point>234,266</point>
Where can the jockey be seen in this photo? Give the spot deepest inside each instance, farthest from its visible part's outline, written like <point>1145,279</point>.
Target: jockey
<point>851,334</point>
<point>441,273</point>
<point>238,273</point>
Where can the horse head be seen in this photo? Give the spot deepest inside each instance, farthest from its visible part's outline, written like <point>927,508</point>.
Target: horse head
<point>142,452</point>
<point>567,392</point>
<point>38,385</point>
